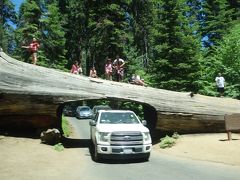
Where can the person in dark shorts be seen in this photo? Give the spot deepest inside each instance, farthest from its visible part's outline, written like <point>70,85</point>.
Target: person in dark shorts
<point>220,82</point>
<point>118,66</point>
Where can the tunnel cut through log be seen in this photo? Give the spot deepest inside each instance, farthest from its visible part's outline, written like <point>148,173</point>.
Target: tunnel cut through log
<point>31,95</point>
<point>149,112</point>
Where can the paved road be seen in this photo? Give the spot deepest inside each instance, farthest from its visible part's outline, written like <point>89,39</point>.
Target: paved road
<point>159,166</point>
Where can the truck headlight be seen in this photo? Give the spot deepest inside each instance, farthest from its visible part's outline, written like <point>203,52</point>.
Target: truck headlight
<point>146,136</point>
<point>104,136</point>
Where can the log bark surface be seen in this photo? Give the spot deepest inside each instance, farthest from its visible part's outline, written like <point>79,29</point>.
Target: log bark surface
<point>31,96</point>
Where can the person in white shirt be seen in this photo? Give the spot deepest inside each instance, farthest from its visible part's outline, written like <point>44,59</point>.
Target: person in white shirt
<point>220,82</point>
<point>135,79</point>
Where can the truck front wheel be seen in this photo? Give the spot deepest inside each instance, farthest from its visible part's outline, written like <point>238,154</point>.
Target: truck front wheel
<point>96,157</point>
<point>146,157</point>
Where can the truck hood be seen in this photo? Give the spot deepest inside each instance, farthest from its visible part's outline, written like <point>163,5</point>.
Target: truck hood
<point>121,127</point>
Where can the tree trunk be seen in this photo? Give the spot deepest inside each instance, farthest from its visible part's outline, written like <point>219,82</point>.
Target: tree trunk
<point>32,96</point>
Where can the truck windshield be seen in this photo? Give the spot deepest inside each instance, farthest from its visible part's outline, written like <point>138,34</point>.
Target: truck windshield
<point>118,118</point>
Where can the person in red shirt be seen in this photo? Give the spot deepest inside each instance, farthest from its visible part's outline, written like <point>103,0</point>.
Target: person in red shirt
<point>33,48</point>
<point>76,69</point>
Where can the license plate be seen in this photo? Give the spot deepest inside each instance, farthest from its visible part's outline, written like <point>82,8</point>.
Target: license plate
<point>127,151</point>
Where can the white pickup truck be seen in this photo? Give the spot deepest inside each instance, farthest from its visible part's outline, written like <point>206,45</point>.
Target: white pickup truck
<point>119,134</point>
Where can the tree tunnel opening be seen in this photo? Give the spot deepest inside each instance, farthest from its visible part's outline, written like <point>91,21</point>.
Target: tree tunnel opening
<point>143,111</point>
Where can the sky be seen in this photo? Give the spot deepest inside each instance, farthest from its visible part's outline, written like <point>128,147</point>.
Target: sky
<point>17,3</point>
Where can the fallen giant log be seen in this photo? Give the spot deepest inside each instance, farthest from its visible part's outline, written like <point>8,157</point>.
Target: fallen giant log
<point>33,96</point>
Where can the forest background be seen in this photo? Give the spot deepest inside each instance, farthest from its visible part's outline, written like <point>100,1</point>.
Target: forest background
<point>178,45</point>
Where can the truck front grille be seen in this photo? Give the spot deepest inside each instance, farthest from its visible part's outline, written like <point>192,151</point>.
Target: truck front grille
<point>126,138</point>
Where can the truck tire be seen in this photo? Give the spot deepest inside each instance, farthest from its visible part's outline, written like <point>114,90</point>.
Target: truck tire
<point>96,157</point>
<point>146,157</point>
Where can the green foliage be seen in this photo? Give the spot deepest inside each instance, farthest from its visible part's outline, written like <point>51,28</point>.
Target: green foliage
<point>66,127</point>
<point>174,63</point>
<point>168,141</point>
<point>7,14</point>
<point>75,26</point>
<point>53,34</point>
<point>225,58</point>
<point>58,147</point>
<point>28,26</point>
<point>42,20</point>
<point>142,23</point>
<point>175,135</point>
<point>176,45</point>
<point>135,107</point>
<point>135,64</point>
<point>107,32</point>
<point>217,18</point>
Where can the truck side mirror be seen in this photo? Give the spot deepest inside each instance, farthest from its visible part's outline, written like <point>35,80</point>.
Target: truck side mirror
<point>144,122</point>
<point>92,123</point>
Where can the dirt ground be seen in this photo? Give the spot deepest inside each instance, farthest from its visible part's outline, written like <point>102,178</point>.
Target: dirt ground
<point>206,147</point>
<point>20,153</point>
<point>24,158</point>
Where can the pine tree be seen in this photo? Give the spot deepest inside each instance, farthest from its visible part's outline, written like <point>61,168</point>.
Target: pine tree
<point>53,43</point>
<point>106,31</point>
<point>217,18</point>
<point>28,27</point>
<point>235,6</point>
<point>141,23</point>
<point>225,58</point>
<point>175,49</point>
<point>7,16</point>
<point>75,28</point>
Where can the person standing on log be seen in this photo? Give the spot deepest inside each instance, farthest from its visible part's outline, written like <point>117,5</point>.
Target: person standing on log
<point>33,48</point>
<point>220,82</point>
<point>108,69</point>
<point>118,65</point>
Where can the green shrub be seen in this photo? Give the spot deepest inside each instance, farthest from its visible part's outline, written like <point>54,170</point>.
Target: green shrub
<point>168,141</point>
<point>66,127</point>
<point>59,147</point>
<point>175,135</point>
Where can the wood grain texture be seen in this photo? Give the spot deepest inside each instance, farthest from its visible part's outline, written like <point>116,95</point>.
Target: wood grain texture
<point>232,122</point>
<point>34,91</point>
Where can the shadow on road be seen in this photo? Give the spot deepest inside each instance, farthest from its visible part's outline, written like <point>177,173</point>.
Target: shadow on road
<point>25,133</point>
<point>121,161</point>
<point>227,139</point>
<point>86,143</point>
<point>76,143</point>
